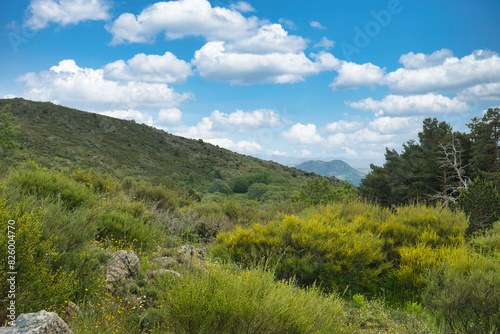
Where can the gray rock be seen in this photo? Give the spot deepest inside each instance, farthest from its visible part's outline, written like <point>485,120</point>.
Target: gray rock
<point>122,265</point>
<point>152,274</point>
<point>42,322</point>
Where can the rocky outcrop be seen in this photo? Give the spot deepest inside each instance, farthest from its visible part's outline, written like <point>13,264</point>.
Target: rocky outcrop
<point>42,322</point>
<point>122,265</point>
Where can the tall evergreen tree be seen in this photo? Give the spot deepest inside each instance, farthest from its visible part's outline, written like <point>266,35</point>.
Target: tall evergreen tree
<point>485,137</point>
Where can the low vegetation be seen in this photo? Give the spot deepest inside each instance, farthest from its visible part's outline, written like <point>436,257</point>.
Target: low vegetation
<point>314,258</point>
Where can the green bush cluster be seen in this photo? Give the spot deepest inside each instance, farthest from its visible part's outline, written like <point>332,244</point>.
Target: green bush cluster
<point>467,301</point>
<point>221,299</point>
<point>95,181</point>
<point>353,244</point>
<point>33,180</point>
<point>40,282</point>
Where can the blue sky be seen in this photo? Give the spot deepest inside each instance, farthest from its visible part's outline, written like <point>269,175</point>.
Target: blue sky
<point>309,79</point>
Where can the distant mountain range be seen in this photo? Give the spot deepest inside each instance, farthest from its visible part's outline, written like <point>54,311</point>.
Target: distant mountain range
<point>338,168</point>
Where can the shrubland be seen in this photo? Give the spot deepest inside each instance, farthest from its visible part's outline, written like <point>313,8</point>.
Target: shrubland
<point>307,257</point>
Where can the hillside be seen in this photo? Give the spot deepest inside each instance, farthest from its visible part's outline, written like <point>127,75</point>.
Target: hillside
<point>61,137</point>
<point>334,168</point>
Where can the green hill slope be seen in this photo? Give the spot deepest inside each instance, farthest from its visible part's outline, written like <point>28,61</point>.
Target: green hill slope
<point>61,137</point>
<point>334,168</point>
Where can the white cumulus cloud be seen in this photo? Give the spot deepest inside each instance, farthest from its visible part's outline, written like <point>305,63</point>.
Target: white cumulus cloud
<point>270,38</point>
<point>411,105</point>
<point>130,114</point>
<point>170,115</point>
<point>450,75</point>
<point>69,84</point>
<point>303,134</point>
<point>42,12</point>
<point>242,146</point>
<point>165,68</point>
<point>255,118</point>
<point>352,75</point>
<point>215,63</point>
<point>177,19</point>
<point>420,60</point>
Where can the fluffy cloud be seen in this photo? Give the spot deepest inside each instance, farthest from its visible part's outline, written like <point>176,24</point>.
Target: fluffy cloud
<point>219,124</point>
<point>150,68</point>
<point>270,38</point>
<point>325,43</point>
<point>395,125</point>
<point>411,105</point>
<point>342,125</point>
<point>303,134</point>
<point>481,92</point>
<point>242,7</point>
<point>242,146</point>
<point>352,76</point>
<point>316,24</point>
<point>450,75</point>
<point>214,62</point>
<point>420,60</point>
<point>363,136</point>
<point>70,84</point>
<point>182,18</point>
<point>130,114</point>
<point>41,12</point>
<point>170,115</point>
<point>256,118</point>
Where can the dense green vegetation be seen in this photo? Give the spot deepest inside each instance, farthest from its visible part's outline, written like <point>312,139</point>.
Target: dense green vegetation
<point>63,138</point>
<point>447,167</point>
<point>308,257</point>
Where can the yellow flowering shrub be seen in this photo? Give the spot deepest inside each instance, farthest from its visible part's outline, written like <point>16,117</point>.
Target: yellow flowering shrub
<point>350,244</point>
<point>94,181</point>
<point>40,284</point>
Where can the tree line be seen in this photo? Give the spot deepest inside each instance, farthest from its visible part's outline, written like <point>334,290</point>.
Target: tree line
<point>460,169</point>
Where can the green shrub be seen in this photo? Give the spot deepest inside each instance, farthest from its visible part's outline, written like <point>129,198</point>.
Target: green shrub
<point>482,202</point>
<point>257,190</point>
<point>42,183</point>
<point>226,300</point>
<point>40,284</point>
<point>219,186</point>
<point>488,242</point>
<point>240,185</point>
<point>350,244</point>
<point>467,300</point>
<point>321,247</point>
<point>95,181</point>
<point>158,196</point>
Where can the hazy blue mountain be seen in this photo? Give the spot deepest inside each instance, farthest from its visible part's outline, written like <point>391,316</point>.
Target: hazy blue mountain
<point>337,168</point>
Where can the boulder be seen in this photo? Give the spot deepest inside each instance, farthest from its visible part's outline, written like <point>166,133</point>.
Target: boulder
<point>122,265</point>
<point>42,322</point>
